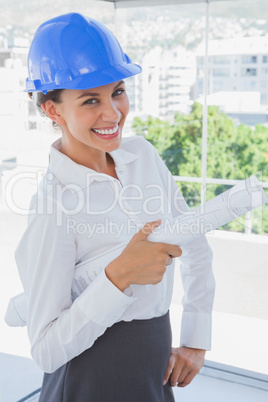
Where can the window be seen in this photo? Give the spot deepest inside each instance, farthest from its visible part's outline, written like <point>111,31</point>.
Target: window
<point>248,72</point>
<point>248,59</point>
<point>220,72</point>
<point>4,55</point>
<point>245,104</point>
<point>236,103</point>
<point>264,98</point>
<point>218,85</point>
<point>220,60</point>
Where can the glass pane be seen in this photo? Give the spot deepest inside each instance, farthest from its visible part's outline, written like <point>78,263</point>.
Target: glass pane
<point>164,40</point>
<point>237,148</point>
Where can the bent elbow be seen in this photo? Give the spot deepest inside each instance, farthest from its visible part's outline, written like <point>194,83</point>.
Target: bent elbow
<point>45,360</point>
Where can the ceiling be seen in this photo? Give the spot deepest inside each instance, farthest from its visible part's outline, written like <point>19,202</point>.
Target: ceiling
<point>140,3</point>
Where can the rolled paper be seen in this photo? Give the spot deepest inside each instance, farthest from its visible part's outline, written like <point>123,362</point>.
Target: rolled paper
<point>229,205</point>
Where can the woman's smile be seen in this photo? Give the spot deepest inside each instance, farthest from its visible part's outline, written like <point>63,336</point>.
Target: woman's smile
<point>107,133</point>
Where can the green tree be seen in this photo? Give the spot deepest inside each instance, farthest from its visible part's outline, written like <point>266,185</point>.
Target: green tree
<point>234,152</point>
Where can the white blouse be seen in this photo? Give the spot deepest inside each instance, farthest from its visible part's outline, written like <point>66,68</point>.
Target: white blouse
<point>77,214</point>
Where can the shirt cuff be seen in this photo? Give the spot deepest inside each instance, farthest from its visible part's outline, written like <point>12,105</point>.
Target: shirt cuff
<point>196,330</point>
<point>102,302</point>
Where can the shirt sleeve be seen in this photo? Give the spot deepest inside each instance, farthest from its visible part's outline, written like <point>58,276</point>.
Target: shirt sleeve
<point>58,329</point>
<point>196,273</point>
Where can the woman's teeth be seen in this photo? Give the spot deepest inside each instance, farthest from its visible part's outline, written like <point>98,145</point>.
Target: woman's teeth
<point>111,131</point>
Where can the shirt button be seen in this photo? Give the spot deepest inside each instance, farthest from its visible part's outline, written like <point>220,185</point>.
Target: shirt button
<point>50,176</point>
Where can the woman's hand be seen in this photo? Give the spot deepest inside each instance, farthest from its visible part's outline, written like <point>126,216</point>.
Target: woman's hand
<point>184,364</point>
<point>142,262</point>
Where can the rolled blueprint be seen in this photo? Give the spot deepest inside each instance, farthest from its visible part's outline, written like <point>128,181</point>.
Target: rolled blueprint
<point>238,200</point>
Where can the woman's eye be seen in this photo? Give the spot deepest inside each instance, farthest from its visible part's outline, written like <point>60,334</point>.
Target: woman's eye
<point>91,101</point>
<point>118,92</point>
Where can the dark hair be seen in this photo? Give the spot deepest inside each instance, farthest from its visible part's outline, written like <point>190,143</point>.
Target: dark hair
<point>41,98</point>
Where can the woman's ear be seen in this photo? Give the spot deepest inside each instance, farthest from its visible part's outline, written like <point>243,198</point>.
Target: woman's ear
<point>51,110</point>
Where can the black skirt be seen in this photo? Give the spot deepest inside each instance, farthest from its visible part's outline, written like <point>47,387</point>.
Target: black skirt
<point>126,364</point>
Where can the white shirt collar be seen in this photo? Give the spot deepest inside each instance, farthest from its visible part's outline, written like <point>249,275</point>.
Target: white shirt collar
<point>69,172</point>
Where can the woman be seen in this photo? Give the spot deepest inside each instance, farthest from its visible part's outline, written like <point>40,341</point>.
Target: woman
<point>113,342</point>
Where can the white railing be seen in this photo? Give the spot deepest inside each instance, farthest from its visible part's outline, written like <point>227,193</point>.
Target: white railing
<point>227,182</point>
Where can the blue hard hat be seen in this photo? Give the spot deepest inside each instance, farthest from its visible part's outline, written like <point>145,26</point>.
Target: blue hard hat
<point>75,52</point>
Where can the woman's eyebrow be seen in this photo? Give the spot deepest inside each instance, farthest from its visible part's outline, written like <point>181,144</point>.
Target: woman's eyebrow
<point>96,93</point>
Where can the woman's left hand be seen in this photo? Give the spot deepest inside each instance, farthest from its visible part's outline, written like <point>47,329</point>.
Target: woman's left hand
<point>184,364</point>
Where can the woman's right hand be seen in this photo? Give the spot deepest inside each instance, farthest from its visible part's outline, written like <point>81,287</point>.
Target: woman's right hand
<point>142,262</point>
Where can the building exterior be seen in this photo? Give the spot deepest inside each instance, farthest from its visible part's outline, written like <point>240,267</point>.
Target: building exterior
<point>15,106</point>
<point>166,82</point>
<point>236,65</point>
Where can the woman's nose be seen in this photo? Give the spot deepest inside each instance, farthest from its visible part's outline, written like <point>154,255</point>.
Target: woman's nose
<point>111,112</point>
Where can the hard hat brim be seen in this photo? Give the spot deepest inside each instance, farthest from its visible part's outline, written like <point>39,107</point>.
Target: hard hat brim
<point>100,78</point>
<point>88,80</point>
